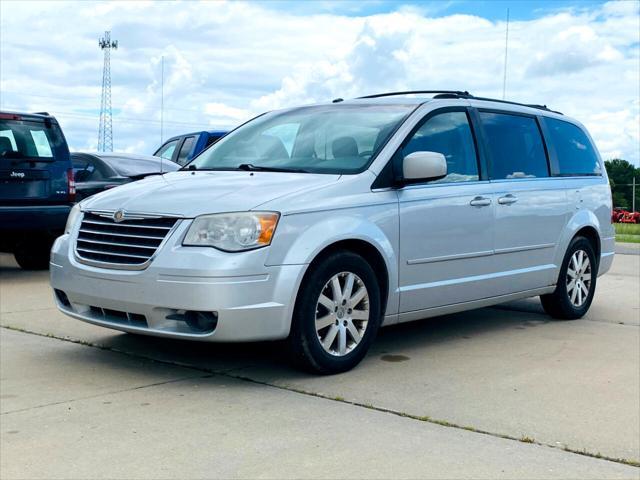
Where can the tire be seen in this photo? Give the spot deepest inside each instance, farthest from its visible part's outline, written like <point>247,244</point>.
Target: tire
<point>569,301</point>
<point>339,329</point>
<point>33,254</point>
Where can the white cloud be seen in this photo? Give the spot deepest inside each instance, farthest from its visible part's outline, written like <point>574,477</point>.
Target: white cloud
<point>224,115</point>
<point>135,147</point>
<point>134,105</point>
<point>225,62</point>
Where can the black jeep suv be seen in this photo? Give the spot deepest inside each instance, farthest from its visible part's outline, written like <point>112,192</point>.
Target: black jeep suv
<point>37,188</point>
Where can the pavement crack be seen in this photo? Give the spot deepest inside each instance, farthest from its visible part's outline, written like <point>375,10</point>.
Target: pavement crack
<point>6,312</point>
<point>104,394</point>
<point>228,373</point>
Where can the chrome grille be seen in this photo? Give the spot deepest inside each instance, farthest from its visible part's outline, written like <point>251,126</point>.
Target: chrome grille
<point>129,243</point>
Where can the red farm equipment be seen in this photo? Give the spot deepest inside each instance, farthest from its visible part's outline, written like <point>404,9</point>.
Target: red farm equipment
<point>620,215</point>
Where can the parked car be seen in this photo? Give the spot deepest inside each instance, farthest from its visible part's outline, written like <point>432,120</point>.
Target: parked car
<point>183,148</point>
<point>95,172</point>
<point>320,224</point>
<point>36,186</point>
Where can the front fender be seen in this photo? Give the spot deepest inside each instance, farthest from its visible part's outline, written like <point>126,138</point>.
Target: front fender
<point>301,237</point>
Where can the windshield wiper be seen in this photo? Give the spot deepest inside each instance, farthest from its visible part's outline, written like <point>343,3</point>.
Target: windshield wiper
<point>247,167</point>
<point>140,176</point>
<point>259,168</point>
<point>192,168</point>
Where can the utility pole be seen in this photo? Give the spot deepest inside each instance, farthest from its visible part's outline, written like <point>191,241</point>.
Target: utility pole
<point>162,102</point>
<point>506,50</point>
<point>633,194</point>
<point>105,128</point>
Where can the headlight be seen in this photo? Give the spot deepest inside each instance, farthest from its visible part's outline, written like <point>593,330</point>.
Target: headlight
<point>233,232</point>
<point>74,214</point>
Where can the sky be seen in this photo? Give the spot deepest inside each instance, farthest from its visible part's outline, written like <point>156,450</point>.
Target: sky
<point>225,62</point>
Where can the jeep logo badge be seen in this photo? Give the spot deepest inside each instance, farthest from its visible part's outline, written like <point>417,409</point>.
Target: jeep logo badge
<point>17,174</point>
<point>118,216</point>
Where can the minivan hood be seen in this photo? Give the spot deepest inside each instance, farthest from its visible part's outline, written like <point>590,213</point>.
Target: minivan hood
<point>193,193</point>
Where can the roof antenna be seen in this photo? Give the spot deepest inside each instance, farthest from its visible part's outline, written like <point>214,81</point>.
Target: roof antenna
<point>506,49</point>
<point>161,109</point>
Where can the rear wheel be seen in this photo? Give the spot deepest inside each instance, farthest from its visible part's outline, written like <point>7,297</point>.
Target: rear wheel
<point>576,283</point>
<point>337,315</point>
<point>34,254</point>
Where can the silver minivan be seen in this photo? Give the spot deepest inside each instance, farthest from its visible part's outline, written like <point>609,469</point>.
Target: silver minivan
<point>322,223</point>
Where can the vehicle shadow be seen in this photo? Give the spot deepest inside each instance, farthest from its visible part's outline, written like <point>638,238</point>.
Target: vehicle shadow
<point>393,344</point>
<point>10,271</point>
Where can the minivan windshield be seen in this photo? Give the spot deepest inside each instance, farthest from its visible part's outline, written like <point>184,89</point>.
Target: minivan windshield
<point>335,139</point>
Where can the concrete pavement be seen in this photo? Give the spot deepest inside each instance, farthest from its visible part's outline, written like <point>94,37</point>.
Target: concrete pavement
<point>122,417</point>
<point>240,411</point>
<point>628,248</point>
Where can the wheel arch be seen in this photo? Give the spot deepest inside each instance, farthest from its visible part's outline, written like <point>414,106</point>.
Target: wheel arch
<point>308,240</point>
<point>583,223</point>
<point>371,255</point>
<point>591,234</point>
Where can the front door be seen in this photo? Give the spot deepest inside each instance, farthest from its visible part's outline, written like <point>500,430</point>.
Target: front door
<point>446,226</point>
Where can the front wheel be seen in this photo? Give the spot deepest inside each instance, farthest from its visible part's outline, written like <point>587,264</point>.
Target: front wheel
<point>337,314</point>
<point>576,283</point>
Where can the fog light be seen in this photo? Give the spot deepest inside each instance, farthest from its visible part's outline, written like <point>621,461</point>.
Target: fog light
<point>62,298</point>
<point>201,321</point>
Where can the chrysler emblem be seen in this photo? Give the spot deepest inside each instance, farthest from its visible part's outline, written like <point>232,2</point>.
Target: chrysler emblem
<point>118,216</point>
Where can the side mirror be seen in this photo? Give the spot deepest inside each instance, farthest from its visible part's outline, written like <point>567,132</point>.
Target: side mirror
<point>422,166</point>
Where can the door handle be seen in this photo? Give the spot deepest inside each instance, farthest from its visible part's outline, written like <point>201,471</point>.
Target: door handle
<point>507,200</point>
<point>480,202</point>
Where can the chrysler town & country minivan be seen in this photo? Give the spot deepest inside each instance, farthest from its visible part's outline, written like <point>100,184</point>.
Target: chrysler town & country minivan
<point>322,223</point>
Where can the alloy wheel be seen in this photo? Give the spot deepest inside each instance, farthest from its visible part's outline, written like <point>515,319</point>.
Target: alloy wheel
<point>578,278</point>
<point>342,313</point>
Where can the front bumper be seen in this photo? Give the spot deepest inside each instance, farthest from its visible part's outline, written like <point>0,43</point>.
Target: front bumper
<point>252,301</point>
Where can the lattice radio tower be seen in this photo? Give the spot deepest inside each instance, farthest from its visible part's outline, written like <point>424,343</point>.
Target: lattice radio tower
<point>105,129</point>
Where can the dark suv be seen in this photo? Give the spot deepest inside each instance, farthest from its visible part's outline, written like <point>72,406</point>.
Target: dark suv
<point>37,188</point>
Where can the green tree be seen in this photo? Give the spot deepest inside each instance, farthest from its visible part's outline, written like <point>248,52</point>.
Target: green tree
<point>621,174</point>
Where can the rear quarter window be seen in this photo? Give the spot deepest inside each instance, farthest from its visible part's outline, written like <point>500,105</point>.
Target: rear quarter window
<point>85,169</point>
<point>575,153</point>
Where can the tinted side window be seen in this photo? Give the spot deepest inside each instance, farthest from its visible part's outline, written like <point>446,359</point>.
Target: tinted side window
<point>449,134</point>
<point>85,170</point>
<point>185,150</point>
<point>576,154</point>
<point>515,146</point>
<point>166,151</point>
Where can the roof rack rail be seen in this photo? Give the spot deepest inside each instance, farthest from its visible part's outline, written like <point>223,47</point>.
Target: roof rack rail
<point>453,93</point>
<point>530,105</point>
<point>459,94</point>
